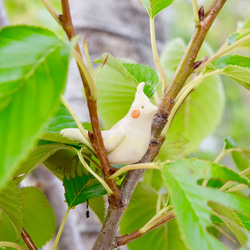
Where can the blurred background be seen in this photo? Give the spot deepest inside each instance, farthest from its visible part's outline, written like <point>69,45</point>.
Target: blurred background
<point>122,29</point>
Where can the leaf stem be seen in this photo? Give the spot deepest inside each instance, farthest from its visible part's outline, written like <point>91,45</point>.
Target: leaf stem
<point>223,51</point>
<point>152,165</point>
<point>89,78</point>
<point>229,183</point>
<point>236,188</point>
<point>218,159</point>
<point>153,221</point>
<point>78,123</point>
<point>156,56</point>
<point>11,244</point>
<point>195,12</point>
<point>224,152</point>
<point>52,11</point>
<point>59,233</point>
<point>105,185</point>
<point>86,52</point>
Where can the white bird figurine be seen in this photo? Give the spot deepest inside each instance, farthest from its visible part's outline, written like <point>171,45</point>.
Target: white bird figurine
<point>128,140</point>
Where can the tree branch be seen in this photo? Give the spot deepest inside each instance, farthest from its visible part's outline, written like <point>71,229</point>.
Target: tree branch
<point>97,141</point>
<point>127,238</point>
<point>184,70</point>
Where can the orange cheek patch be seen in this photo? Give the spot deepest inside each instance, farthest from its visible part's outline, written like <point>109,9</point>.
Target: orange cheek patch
<point>135,113</point>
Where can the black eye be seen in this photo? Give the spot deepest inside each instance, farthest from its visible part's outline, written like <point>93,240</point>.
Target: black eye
<point>142,107</point>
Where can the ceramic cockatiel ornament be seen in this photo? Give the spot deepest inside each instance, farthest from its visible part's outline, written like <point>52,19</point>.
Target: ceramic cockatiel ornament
<point>128,140</point>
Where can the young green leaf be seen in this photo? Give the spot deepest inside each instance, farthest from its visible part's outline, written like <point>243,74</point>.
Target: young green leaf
<point>153,7</point>
<point>81,188</point>
<point>202,110</point>
<point>97,205</point>
<point>233,221</point>
<point>37,156</point>
<point>141,209</point>
<point>180,178</point>
<point>38,217</point>
<point>144,73</point>
<point>11,205</point>
<point>116,90</point>
<point>33,69</point>
<point>63,161</point>
<point>62,119</point>
<point>173,147</point>
<point>171,56</point>
<point>234,66</point>
<point>241,157</point>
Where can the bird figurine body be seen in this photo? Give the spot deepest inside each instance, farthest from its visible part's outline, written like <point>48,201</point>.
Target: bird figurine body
<point>128,140</point>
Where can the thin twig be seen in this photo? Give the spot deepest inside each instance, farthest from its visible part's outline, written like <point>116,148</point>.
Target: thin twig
<point>125,239</point>
<point>156,56</point>
<point>151,165</point>
<point>27,240</point>
<point>97,142</point>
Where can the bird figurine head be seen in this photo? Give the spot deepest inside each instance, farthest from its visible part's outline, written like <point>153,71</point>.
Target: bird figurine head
<point>141,108</point>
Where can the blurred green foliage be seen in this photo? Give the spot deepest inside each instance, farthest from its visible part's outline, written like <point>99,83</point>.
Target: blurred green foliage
<point>33,13</point>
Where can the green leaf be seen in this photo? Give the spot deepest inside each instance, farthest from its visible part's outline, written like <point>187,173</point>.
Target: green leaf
<point>173,147</point>
<point>153,178</point>
<point>63,161</point>
<point>153,7</point>
<point>81,188</point>
<point>232,220</point>
<point>10,207</point>
<point>171,56</point>
<point>116,90</point>
<point>33,69</point>
<point>144,73</point>
<point>229,143</point>
<point>8,233</point>
<point>175,240</point>
<point>241,157</point>
<point>202,110</point>
<point>37,156</point>
<point>234,66</point>
<point>38,217</point>
<point>141,209</point>
<point>98,207</point>
<point>62,119</point>
<point>200,113</point>
<point>180,178</point>
<point>242,31</point>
